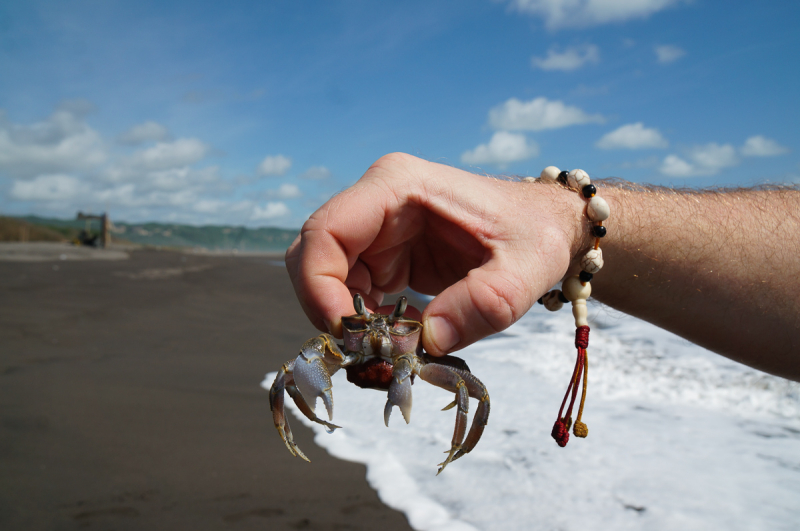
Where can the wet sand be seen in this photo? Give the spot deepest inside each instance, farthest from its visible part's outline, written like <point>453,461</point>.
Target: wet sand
<point>130,399</point>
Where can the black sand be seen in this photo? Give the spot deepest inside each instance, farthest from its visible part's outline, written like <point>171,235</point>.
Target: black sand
<point>130,399</point>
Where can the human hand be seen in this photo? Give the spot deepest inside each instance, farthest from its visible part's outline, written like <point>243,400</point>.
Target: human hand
<point>487,248</point>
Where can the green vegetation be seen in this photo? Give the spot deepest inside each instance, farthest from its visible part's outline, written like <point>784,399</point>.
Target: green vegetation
<point>16,229</point>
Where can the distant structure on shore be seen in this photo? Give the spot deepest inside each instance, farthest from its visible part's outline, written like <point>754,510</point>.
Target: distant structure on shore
<point>105,234</point>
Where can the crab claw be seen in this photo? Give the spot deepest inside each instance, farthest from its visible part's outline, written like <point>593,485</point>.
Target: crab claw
<point>399,391</point>
<point>311,375</point>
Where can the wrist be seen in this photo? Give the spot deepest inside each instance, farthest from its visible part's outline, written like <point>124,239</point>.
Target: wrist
<point>567,210</point>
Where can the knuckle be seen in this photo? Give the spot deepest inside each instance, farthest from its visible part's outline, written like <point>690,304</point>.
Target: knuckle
<point>395,170</point>
<point>496,302</point>
<point>393,159</point>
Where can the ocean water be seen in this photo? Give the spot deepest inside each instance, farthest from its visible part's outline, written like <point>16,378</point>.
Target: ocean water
<point>679,438</point>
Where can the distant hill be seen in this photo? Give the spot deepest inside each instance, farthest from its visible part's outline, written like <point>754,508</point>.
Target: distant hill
<point>211,237</point>
<point>16,229</point>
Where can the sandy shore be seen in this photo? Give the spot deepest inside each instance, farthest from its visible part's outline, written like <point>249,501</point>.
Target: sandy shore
<point>131,400</point>
<point>50,251</point>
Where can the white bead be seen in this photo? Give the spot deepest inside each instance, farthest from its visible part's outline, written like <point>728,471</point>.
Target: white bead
<point>577,179</point>
<point>597,209</point>
<point>551,173</point>
<point>573,289</point>
<point>551,301</point>
<point>580,313</point>
<point>592,262</point>
<point>528,179</point>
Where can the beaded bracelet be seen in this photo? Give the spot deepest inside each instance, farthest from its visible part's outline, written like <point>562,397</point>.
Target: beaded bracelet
<point>576,290</point>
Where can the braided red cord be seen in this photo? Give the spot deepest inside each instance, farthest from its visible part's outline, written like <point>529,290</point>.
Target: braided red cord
<point>582,337</point>
<point>561,427</point>
<point>560,433</point>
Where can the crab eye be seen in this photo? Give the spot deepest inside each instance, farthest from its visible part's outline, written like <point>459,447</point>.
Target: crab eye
<point>404,328</point>
<point>354,324</point>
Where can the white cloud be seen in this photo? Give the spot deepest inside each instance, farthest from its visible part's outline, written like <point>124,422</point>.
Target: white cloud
<point>181,178</point>
<point>674,166</point>
<point>144,132</point>
<point>668,53</point>
<point>209,206</point>
<point>632,136</point>
<point>714,156</point>
<point>274,165</point>
<point>316,173</point>
<point>60,165</point>
<point>760,146</point>
<point>47,188</point>
<point>503,149</point>
<point>537,115</point>
<point>570,59</point>
<point>287,191</point>
<point>62,142</point>
<point>703,160</point>
<point>178,178</point>
<point>270,211</point>
<point>582,13</point>
<point>165,155</point>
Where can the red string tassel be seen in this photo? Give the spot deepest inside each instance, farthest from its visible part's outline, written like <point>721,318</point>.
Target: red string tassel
<point>562,425</point>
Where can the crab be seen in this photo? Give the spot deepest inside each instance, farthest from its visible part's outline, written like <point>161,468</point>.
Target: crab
<point>382,352</point>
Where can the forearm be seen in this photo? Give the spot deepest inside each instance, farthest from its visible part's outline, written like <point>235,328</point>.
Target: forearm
<point>718,268</point>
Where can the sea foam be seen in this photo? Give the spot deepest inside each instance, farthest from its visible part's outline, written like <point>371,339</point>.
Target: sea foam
<point>679,438</point>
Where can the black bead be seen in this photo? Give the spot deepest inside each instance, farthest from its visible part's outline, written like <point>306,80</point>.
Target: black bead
<point>562,298</point>
<point>562,177</point>
<point>540,301</point>
<point>589,191</point>
<point>585,277</point>
<point>598,230</point>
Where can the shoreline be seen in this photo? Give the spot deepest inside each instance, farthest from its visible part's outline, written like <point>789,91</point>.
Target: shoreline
<point>55,251</point>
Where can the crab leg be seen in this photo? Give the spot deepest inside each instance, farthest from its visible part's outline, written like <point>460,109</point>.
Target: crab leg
<point>476,390</point>
<point>464,385</point>
<point>278,413</point>
<point>446,378</point>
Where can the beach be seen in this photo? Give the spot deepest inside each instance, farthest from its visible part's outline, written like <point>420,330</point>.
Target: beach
<point>131,399</point>
<point>134,396</point>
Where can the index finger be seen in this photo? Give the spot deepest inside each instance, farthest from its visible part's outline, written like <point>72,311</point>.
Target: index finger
<point>328,246</point>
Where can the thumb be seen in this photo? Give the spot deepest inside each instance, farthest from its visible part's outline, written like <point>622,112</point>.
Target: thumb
<point>488,300</point>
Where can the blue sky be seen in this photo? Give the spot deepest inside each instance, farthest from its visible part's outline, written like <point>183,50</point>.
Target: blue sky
<point>256,112</point>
